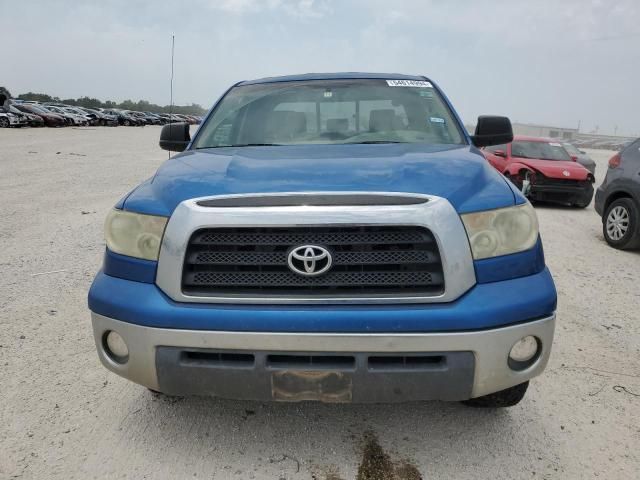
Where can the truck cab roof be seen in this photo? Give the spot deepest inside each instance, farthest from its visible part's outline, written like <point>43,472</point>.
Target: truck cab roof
<point>333,76</point>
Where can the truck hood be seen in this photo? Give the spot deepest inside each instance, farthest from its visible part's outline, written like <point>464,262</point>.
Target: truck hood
<point>457,173</point>
<point>556,168</point>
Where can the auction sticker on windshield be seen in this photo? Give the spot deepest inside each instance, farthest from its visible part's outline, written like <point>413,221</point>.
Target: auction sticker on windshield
<point>409,83</point>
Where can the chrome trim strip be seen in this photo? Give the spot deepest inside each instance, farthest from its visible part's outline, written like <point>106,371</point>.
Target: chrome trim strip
<point>436,214</point>
<point>490,347</point>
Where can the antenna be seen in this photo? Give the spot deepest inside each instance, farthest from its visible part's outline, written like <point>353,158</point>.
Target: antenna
<point>173,44</point>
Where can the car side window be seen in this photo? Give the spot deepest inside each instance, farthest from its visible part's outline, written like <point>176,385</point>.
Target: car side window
<point>494,148</point>
<point>223,132</point>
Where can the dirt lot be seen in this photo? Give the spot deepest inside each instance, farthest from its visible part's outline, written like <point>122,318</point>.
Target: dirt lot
<point>63,416</point>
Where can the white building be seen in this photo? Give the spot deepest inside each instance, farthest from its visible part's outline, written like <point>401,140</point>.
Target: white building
<point>533,130</point>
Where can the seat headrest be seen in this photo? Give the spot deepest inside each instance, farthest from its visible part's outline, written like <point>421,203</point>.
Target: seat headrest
<point>286,124</point>
<point>337,125</point>
<point>381,120</point>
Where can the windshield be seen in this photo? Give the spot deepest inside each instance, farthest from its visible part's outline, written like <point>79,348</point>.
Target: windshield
<point>34,108</point>
<point>542,150</point>
<point>330,112</point>
<point>571,149</point>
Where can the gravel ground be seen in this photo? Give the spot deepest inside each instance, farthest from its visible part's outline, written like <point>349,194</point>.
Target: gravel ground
<point>63,416</point>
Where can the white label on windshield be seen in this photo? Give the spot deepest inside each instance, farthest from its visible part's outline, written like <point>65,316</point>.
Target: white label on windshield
<point>554,144</point>
<point>436,120</point>
<point>409,83</point>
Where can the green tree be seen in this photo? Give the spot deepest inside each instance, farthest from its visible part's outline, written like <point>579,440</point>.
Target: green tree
<point>37,97</point>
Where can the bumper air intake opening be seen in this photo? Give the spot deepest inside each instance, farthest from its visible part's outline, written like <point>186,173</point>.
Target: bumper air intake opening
<point>217,359</point>
<point>311,361</point>
<point>409,362</point>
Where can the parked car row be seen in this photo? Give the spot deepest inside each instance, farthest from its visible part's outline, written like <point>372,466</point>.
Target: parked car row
<point>35,114</point>
<point>546,170</point>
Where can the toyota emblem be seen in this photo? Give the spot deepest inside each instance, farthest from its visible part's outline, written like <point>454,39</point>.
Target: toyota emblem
<point>309,260</point>
<point>566,173</point>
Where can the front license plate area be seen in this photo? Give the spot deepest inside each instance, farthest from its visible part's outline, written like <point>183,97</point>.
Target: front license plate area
<point>299,385</point>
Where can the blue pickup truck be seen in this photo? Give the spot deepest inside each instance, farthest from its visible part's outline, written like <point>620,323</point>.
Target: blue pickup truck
<point>329,237</point>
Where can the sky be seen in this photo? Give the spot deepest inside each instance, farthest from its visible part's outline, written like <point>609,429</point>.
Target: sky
<point>557,62</point>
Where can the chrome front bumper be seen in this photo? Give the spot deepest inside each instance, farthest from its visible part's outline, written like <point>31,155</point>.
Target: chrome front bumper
<point>490,348</point>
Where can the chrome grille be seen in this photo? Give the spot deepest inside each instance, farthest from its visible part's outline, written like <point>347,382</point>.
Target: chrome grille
<point>402,260</point>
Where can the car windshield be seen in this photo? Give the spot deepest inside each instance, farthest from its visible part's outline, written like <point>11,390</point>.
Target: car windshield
<point>571,149</point>
<point>37,109</point>
<point>541,150</point>
<point>331,112</point>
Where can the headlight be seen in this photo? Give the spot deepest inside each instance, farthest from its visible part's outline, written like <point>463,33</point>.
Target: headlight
<point>134,234</point>
<point>503,231</point>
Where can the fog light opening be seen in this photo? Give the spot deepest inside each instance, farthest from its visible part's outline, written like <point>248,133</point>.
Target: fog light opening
<point>524,352</point>
<point>115,347</point>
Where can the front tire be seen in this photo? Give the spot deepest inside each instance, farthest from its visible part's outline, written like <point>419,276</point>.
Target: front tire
<point>502,399</point>
<point>4,122</point>
<point>621,224</point>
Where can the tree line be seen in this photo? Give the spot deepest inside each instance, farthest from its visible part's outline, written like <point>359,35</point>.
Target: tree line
<point>140,105</point>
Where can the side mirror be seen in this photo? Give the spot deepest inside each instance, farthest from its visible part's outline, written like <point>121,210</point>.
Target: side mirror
<point>492,130</point>
<point>175,137</point>
<point>574,158</point>
<point>500,153</point>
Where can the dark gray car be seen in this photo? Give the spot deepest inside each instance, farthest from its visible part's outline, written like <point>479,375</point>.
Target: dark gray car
<point>581,157</point>
<point>618,199</point>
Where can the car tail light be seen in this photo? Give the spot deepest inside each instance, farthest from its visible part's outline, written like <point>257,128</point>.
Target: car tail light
<point>614,162</point>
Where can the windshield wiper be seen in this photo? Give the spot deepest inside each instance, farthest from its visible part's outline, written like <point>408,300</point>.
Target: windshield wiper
<point>366,142</point>
<point>243,145</point>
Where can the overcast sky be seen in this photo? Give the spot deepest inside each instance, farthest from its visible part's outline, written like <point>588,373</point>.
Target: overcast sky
<point>556,62</point>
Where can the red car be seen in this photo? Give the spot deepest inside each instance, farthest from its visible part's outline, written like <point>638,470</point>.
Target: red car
<point>543,170</point>
<point>50,119</point>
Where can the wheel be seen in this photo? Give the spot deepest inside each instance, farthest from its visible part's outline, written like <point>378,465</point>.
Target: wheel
<point>127,123</point>
<point>4,122</point>
<point>504,398</point>
<point>621,224</point>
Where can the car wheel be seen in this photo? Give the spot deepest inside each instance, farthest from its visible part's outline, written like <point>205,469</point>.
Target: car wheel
<point>504,398</point>
<point>4,122</point>
<point>621,224</point>
<point>126,123</point>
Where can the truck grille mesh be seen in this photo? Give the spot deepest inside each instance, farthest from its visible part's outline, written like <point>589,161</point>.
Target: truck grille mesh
<point>367,260</point>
